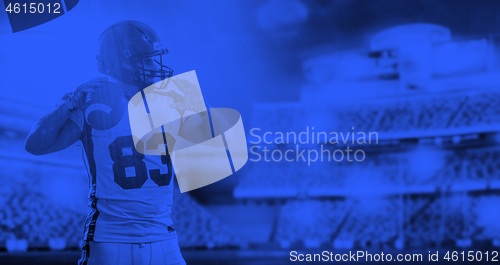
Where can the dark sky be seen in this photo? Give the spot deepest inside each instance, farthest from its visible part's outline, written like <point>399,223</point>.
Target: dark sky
<point>335,25</point>
<point>347,21</point>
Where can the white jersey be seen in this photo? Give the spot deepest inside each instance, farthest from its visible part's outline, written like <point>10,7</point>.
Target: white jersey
<point>130,193</point>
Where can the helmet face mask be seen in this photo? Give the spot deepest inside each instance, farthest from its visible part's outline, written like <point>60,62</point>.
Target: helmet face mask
<point>132,52</point>
<point>152,71</point>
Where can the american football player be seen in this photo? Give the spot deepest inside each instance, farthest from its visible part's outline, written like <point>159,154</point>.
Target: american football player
<point>130,193</point>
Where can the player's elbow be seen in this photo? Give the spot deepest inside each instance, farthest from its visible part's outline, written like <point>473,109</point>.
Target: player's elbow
<point>31,147</point>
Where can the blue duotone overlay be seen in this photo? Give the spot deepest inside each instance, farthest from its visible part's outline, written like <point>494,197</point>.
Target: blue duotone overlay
<point>370,126</point>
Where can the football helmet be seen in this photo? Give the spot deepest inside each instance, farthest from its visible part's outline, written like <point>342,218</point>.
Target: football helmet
<point>122,51</point>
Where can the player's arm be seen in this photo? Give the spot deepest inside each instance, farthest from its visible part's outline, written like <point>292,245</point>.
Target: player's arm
<point>56,131</point>
<point>199,124</point>
<point>196,128</point>
<point>53,132</point>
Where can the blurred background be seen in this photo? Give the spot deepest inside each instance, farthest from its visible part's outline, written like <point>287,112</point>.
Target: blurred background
<point>422,74</point>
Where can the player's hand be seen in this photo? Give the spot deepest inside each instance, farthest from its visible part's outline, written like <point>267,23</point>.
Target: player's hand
<point>83,94</point>
<point>193,100</point>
